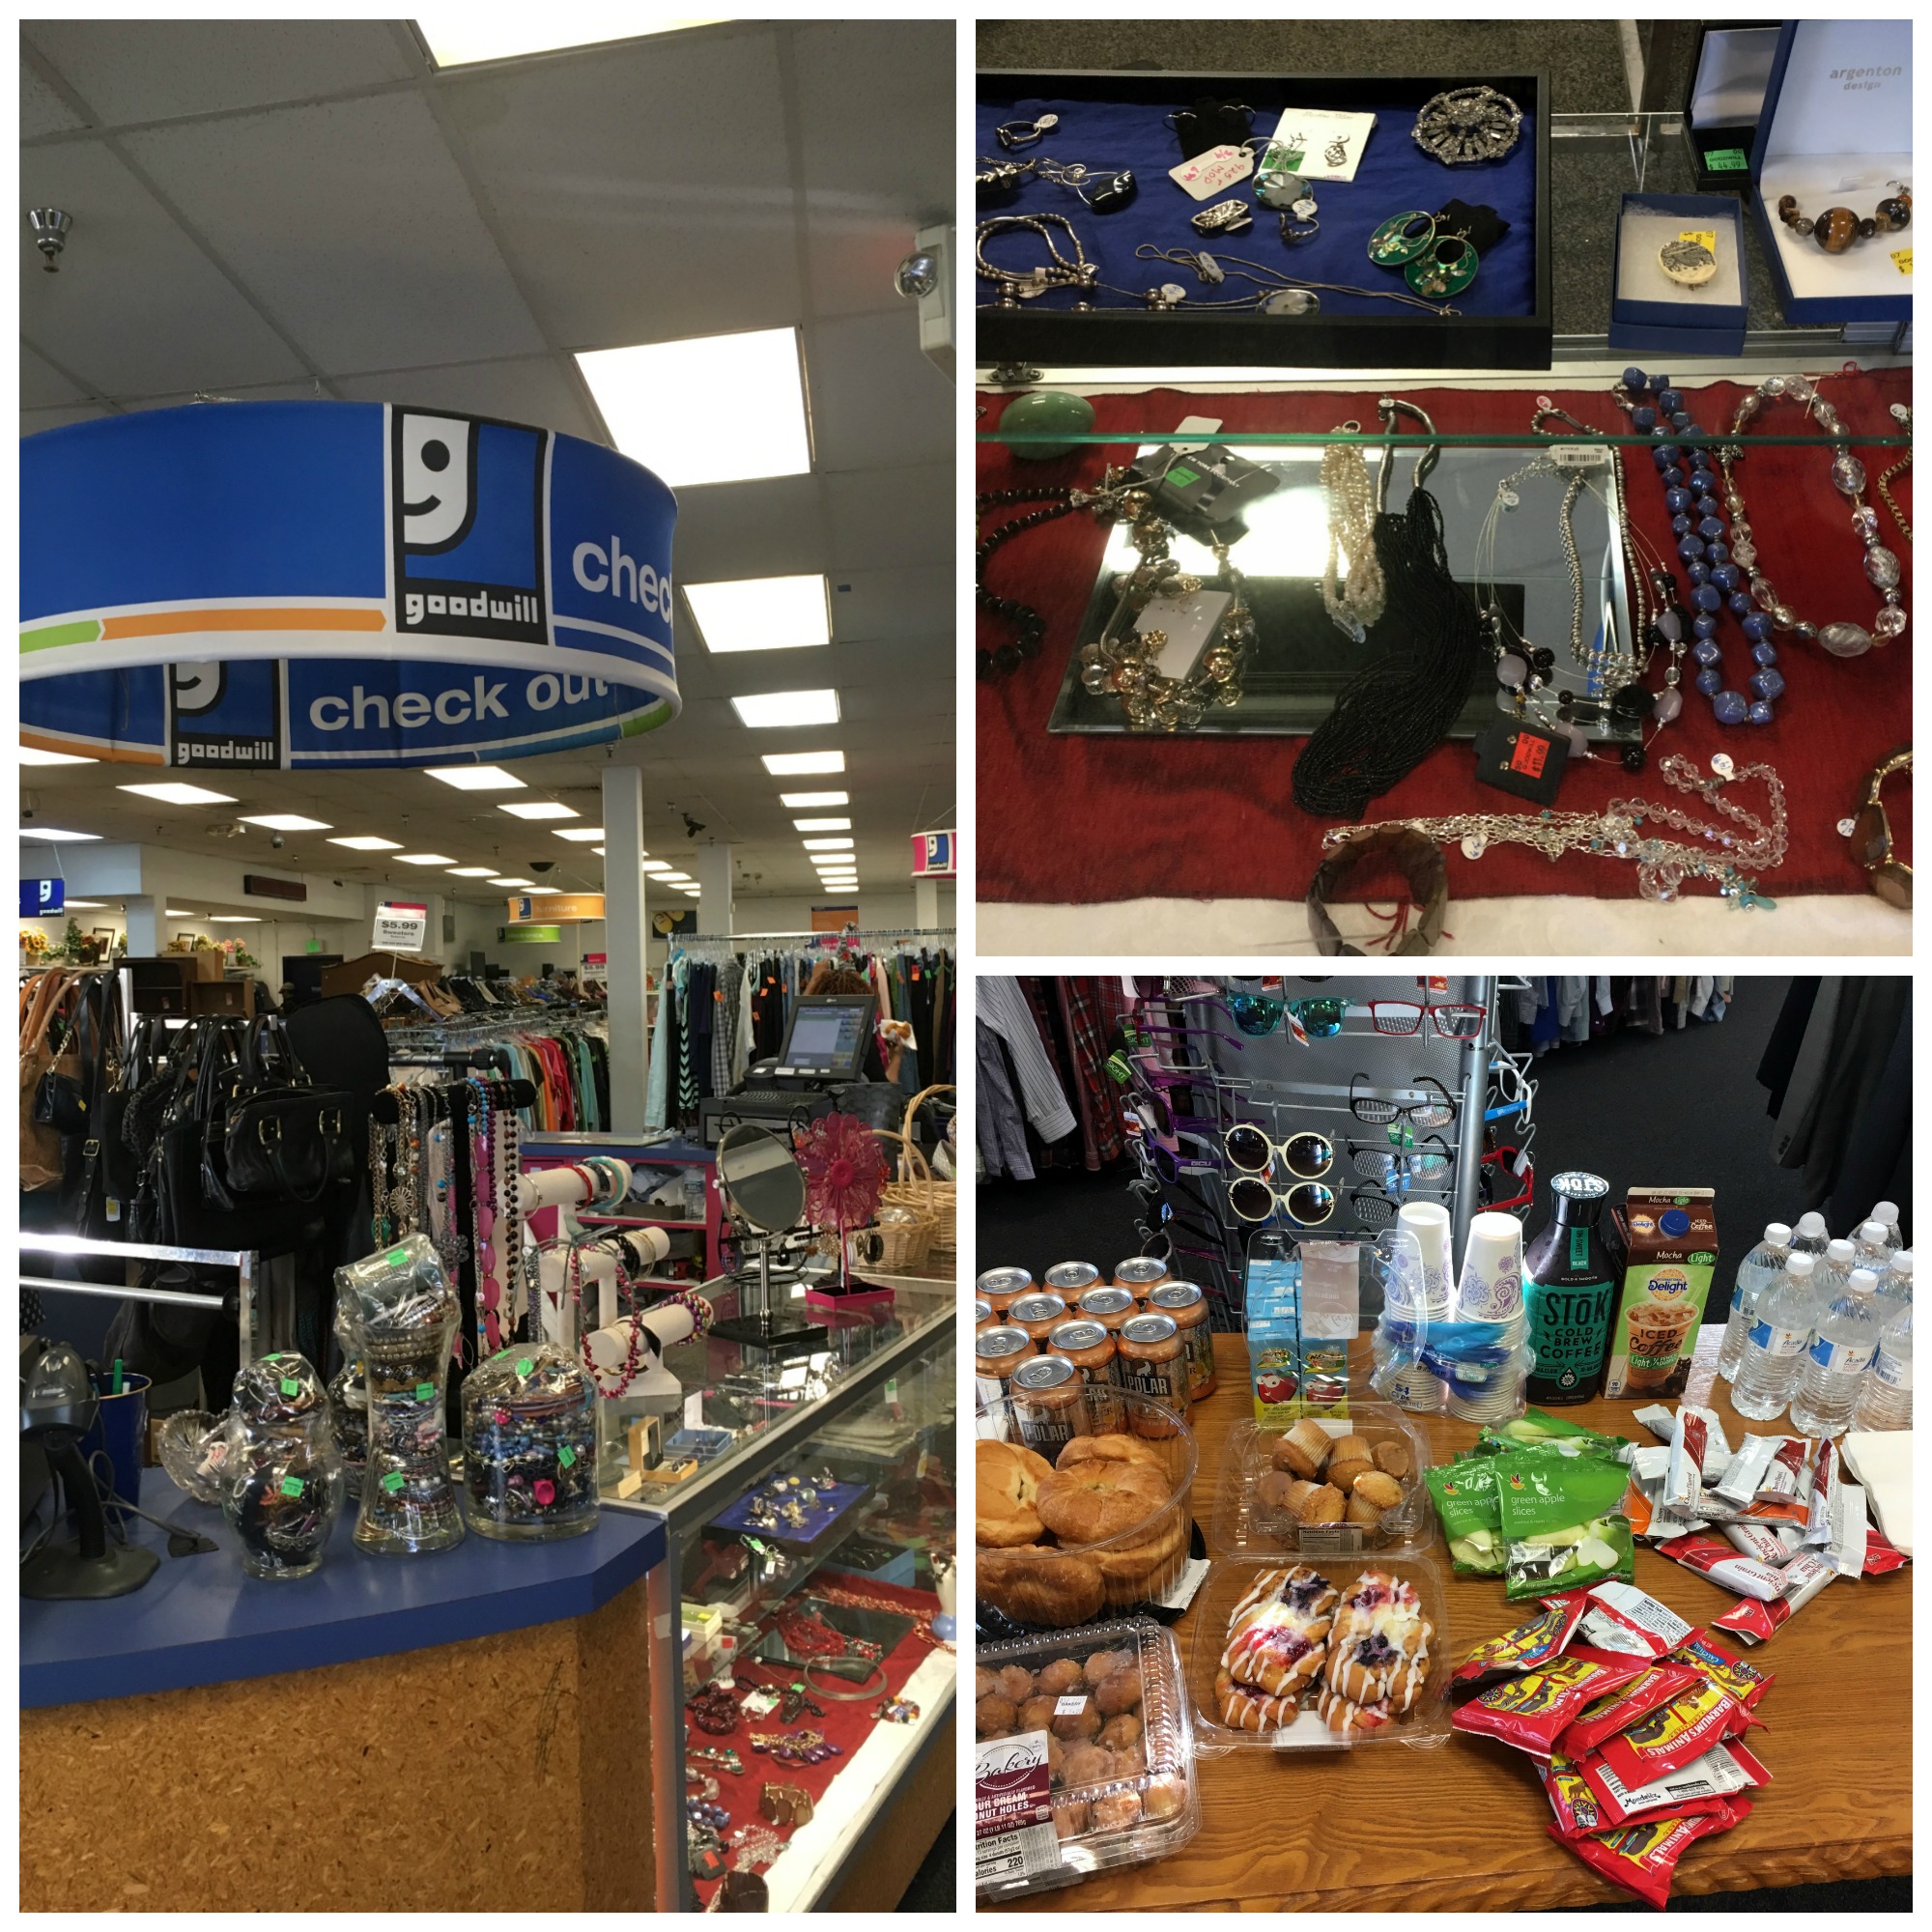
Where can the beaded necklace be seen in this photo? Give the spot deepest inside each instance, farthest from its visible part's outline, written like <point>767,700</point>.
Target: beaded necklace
<point>1356,602</point>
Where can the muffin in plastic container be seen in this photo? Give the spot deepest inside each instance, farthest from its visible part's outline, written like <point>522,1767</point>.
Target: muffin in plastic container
<point>1102,1712</point>
<point>1266,1474</point>
<point>1061,1579</point>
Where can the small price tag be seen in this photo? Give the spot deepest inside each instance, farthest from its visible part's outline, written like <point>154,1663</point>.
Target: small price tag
<point>396,1256</point>
<point>1902,260</point>
<point>1721,161</point>
<point>565,1456</point>
<point>1706,235</point>
<point>694,1410</point>
<point>290,1386</point>
<point>393,1481</point>
<point>424,1391</point>
<point>291,1486</point>
<point>1068,1707</point>
<point>1209,173</point>
<point>524,1365</point>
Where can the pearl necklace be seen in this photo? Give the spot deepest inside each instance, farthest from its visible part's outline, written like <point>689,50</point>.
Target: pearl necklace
<point>1345,480</point>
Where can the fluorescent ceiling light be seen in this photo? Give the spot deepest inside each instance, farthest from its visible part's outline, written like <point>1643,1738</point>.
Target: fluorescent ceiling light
<point>713,409</point>
<point>285,821</point>
<point>177,912</point>
<point>678,879</point>
<point>32,754</point>
<point>481,34</point>
<point>827,844</point>
<point>761,614</point>
<point>173,793</point>
<point>804,801</point>
<point>599,850</point>
<point>579,834</point>
<point>53,832</point>
<point>362,842</point>
<point>423,859</point>
<point>477,777</point>
<point>823,824</point>
<point>234,918</point>
<point>541,807</point>
<point>833,862</point>
<point>800,764</point>
<point>471,872</point>
<point>512,882</point>
<point>772,710</point>
<point>654,866</point>
<point>88,905</point>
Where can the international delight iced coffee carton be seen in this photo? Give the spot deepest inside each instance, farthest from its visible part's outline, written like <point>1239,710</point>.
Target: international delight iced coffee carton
<point>1673,1254</point>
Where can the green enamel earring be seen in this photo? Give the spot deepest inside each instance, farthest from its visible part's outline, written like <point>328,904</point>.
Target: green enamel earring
<point>1401,238</point>
<point>1445,270</point>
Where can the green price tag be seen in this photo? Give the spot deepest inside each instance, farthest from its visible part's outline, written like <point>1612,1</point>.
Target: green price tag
<point>291,1486</point>
<point>1726,160</point>
<point>565,1456</point>
<point>290,1386</point>
<point>396,1256</point>
<point>525,1366</point>
<point>1180,476</point>
<point>424,1391</point>
<point>393,1481</point>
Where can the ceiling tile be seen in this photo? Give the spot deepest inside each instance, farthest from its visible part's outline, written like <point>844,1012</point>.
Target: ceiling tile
<point>530,389</point>
<point>874,398</point>
<point>43,386</point>
<point>894,604</point>
<point>886,517</point>
<point>352,224</point>
<point>773,527</point>
<point>627,215</point>
<point>132,70</point>
<point>41,110</point>
<point>137,309</point>
<point>33,422</point>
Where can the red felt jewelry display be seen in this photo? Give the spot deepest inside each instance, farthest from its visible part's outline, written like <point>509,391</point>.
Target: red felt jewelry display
<point>1084,820</point>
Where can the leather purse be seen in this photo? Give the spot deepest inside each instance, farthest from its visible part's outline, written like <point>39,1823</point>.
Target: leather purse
<point>279,1135</point>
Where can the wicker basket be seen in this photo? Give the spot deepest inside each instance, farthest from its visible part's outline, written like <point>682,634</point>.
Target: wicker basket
<point>906,1245</point>
<point>945,1196</point>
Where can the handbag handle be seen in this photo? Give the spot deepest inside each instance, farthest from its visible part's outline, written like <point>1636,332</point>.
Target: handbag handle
<point>272,1147</point>
<point>49,992</point>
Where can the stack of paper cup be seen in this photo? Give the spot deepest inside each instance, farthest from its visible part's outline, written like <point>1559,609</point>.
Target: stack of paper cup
<point>1418,1287</point>
<point>1490,1290</point>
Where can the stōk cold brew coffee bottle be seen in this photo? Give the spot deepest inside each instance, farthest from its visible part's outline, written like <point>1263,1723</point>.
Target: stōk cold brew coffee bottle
<point>1569,1287</point>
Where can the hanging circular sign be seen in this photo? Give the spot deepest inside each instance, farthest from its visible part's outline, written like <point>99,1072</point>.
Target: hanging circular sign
<point>311,585</point>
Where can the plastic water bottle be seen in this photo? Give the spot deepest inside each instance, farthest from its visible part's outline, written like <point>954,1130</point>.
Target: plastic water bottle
<point>1812,1235</point>
<point>1774,1346</point>
<point>1874,1250</point>
<point>1886,1213</point>
<point>1834,1271</point>
<point>1755,1273</point>
<point>1895,1285</point>
<point>1844,1339</point>
<point>1885,1402</point>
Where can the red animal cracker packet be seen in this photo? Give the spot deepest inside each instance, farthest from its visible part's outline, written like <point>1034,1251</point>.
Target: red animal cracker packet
<point>1620,1617</point>
<point>1701,1785</point>
<point>1641,1858</point>
<point>1527,1647</point>
<point>1676,1733</point>
<point>1578,1809</point>
<point>1533,1709</point>
<point>1621,1709</point>
<point>1746,1681</point>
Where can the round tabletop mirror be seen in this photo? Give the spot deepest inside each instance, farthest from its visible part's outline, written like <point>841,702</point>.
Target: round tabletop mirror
<point>763,1184</point>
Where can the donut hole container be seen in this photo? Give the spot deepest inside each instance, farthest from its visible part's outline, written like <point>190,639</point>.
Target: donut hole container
<point>1245,1526</point>
<point>1423,1726</point>
<point>1071,1583</point>
<point>1167,1741</point>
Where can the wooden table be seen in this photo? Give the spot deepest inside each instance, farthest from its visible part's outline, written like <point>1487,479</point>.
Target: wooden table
<point>1461,1827</point>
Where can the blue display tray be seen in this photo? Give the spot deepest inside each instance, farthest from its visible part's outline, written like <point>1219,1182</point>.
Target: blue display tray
<point>823,1514</point>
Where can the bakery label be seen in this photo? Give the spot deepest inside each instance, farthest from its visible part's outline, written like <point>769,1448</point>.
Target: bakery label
<point>1012,1818</point>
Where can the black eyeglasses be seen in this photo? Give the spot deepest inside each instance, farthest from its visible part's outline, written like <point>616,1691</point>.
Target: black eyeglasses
<point>1428,1162</point>
<point>1437,1112</point>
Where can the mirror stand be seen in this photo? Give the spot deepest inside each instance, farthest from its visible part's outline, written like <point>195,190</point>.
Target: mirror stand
<point>762,1328</point>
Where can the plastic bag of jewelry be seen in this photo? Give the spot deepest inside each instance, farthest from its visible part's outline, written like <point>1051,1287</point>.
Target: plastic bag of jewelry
<point>399,1291</point>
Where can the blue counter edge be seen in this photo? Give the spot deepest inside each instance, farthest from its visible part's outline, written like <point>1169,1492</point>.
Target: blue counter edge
<point>228,1659</point>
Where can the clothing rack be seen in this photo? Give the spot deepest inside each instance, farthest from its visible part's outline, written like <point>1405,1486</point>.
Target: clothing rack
<point>865,940</point>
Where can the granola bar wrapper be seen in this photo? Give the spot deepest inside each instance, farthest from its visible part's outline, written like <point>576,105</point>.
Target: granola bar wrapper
<point>1774,1543</point>
<point>1527,1647</point>
<point>1675,1734</point>
<point>1704,1784</point>
<point>1642,1859</point>
<point>1620,1709</point>
<point>1620,1618</point>
<point>1754,1620</point>
<point>1822,1501</point>
<point>1745,1471</point>
<point>1882,1558</point>
<point>1533,1709</point>
<point>1746,1681</point>
<point>1714,1557</point>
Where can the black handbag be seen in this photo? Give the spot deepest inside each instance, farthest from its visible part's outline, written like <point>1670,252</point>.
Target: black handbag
<point>276,1135</point>
<point>59,1102</point>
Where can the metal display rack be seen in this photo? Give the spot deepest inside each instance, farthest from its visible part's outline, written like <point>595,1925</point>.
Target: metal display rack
<point>246,1264</point>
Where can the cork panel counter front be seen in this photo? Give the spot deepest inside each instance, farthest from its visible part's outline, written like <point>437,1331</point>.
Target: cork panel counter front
<point>506,1770</point>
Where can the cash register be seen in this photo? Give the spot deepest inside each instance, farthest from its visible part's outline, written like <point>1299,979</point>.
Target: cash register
<point>822,1060</point>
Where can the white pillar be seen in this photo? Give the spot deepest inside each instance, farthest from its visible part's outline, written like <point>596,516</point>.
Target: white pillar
<point>714,881</point>
<point>144,928</point>
<point>925,902</point>
<point>624,933</point>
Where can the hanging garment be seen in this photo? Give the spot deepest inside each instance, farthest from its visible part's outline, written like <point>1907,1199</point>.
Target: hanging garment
<point>1004,1007</point>
<point>1003,1140</point>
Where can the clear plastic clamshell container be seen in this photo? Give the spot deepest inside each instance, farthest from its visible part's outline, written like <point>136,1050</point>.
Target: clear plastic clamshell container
<point>1425,1724</point>
<point>1122,1801</point>
<point>1251,1519</point>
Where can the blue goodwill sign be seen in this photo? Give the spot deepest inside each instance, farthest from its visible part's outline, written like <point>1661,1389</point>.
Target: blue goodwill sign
<point>288,585</point>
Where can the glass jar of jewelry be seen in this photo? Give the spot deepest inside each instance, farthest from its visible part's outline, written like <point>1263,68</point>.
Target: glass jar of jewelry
<point>529,1445</point>
<point>286,1484</point>
<point>400,1314</point>
<point>349,1410</point>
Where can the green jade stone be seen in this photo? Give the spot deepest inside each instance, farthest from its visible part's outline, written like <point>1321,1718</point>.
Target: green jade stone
<point>1046,412</point>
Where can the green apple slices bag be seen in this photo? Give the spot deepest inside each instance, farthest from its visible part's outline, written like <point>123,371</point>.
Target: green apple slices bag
<point>1562,1525</point>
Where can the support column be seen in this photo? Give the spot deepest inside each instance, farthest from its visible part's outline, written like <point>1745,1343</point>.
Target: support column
<point>925,902</point>
<point>714,879</point>
<point>624,934</point>
<point>144,928</point>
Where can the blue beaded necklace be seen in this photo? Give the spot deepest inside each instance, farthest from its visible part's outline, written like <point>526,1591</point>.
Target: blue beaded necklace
<point>1716,583</point>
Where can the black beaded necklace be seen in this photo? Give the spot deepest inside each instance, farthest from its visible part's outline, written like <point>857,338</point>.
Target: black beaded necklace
<point>1032,626</point>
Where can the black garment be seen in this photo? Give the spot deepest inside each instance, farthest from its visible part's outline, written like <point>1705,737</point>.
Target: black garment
<point>1876,1164</point>
<point>1865,1028</point>
<point>920,987</point>
<point>1787,1035</point>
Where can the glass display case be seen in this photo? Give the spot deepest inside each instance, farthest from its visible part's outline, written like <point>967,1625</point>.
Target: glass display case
<point>810,1505</point>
